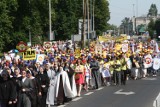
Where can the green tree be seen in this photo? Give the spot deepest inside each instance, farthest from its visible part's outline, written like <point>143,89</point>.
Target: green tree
<point>7,10</point>
<point>66,18</point>
<point>157,27</point>
<point>102,16</point>
<point>19,17</point>
<point>151,27</point>
<point>126,26</point>
<point>153,10</point>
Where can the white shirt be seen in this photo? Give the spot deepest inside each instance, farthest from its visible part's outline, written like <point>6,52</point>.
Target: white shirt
<point>23,79</point>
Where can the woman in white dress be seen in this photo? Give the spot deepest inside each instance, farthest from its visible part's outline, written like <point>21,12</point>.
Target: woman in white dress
<point>51,90</point>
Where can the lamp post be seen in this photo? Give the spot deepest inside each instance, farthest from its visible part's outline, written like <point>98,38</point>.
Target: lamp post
<point>88,22</point>
<point>83,28</point>
<point>50,26</point>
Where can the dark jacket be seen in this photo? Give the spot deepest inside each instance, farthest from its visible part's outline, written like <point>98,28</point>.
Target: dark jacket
<point>42,79</point>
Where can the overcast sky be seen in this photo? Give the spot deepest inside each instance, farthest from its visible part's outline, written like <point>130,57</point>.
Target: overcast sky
<point>124,8</point>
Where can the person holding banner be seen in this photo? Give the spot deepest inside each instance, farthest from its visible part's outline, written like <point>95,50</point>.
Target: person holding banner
<point>156,65</point>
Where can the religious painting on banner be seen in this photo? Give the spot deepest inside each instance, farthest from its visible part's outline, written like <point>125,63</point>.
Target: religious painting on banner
<point>156,63</point>
<point>40,58</point>
<point>124,47</point>
<point>98,49</point>
<point>148,61</point>
<point>47,45</point>
<point>118,47</point>
<point>77,52</point>
<point>22,46</point>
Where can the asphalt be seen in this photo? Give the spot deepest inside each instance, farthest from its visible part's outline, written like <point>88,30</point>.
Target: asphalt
<point>143,93</point>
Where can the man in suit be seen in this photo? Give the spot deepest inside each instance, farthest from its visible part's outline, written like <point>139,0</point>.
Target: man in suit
<point>25,91</point>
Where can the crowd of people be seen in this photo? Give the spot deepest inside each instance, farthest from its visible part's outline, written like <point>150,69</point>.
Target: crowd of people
<point>64,74</point>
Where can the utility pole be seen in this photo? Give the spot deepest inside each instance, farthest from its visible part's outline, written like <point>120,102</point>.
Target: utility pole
<point>83,29</point>
<point>93,16</point>
<point>29,28</point>
<point>88,23</point>
<point>134,20</point>
<point>50,26</point>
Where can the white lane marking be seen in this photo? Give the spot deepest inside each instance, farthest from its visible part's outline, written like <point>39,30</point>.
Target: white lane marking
<point>89,93</point>
<point>66,103</point>
<point>100,88</point>
<point>149,79</point>
<point>125,93</point>
<point>76,99</point>
<point>156,101</point>
<point>61,105</point>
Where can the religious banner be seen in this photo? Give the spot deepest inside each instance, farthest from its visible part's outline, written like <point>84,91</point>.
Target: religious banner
<point>22,46</point>
<point>156,63</point>
<point>98,49</point>
<point>77,52</point>
<point>148,61</point>
<point>47,45</point>
<point>40,58</point>
<point>29,55</point>
<point>104,38</point>
<point>124,47</point>
<point>118,47</point>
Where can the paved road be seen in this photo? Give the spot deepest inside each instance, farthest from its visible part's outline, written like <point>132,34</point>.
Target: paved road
<point>137,93</point>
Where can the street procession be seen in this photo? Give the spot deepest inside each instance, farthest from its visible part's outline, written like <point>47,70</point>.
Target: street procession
<point>79,53</point>
<point>57,72</point>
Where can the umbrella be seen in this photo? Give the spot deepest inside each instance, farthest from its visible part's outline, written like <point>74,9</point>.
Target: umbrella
<point>13,51</point>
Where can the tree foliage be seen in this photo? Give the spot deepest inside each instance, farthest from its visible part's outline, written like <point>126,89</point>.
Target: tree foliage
<point>19,17</point>
<point>157,27</point>
<point>102,16</point>
<point>153,10</point>
<point>151,27</point>
<point>126,26</point>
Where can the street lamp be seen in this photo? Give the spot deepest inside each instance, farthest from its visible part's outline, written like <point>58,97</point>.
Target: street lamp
<point>50,26</point>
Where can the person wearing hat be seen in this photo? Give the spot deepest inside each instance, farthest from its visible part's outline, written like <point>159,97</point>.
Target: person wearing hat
<point>7,90</point>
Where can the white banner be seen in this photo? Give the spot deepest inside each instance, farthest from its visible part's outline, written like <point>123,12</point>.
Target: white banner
<point>40,58</point>
<point>148,61</point>
<point>156,63</point>
<point>124,47</point>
